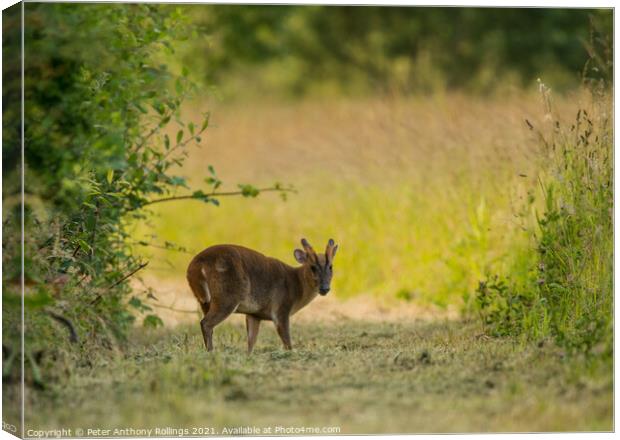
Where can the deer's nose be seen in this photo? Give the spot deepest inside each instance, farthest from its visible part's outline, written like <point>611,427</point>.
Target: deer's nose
<point>323,290</point>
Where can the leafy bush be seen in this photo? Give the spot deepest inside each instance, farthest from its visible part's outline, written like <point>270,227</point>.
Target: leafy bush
<point>568,292</point>
<point>99,113</point>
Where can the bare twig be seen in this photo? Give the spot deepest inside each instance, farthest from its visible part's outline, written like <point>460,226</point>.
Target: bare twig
<point>116,283</point>
<point>183,144</point>
<point>159,306</point>
<point>156,246</point>
<point>67,323</point>
<point>133,272</point>
<point>212,195</point>
<point>148,136</point>
<point>165,156</point>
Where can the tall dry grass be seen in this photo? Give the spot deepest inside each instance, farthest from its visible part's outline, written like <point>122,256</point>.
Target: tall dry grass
<point>420,192</point>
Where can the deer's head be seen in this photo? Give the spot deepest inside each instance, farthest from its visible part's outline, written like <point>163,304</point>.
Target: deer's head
<point>320,264</point>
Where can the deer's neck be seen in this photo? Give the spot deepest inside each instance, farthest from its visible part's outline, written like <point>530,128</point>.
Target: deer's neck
<point>308,287</point>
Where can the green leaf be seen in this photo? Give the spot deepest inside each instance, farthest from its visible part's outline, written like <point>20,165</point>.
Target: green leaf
<point>132,159</point>
<point>205,123</point>
<point>167,142</point>
<point>199,194</point>
<point>110,176</point>
<point>191,128</point>
<point>178,181</point>
<point>211,170</point>
<point>164,121</point>
<point>140,107</point>
<point>159,107</point>
<point>248,190</point>
<point>179,136</point>
<point>153,321</point>
<point>85,246</point>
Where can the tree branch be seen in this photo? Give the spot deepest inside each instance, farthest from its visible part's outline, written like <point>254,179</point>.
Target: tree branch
<point>140,267</point>
<point>67,323</point>
<point>211,195</point>
<point>116,283</point>
<point>161,306</point>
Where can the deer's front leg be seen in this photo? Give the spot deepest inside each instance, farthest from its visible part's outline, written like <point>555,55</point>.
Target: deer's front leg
<point>282,325</point>
<point>252,325</point>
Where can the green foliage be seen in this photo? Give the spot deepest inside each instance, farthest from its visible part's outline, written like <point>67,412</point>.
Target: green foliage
<point>568,293</point>
<point>299,49</point>
<point>567,290</point>
<point>248,190</point>
<point>96,106</point>
<point>99,108</point>
<point>153,321</point>
<point>575,244</point>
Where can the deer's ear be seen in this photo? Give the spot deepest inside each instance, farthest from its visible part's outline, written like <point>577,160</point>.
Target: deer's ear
<point>300,256</point>
<point>334,249</point>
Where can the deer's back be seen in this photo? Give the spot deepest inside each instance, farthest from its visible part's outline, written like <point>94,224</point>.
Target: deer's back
<point>237,273</point>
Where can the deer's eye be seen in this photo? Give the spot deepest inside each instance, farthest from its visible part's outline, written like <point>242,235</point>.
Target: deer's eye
<point>314,269</point>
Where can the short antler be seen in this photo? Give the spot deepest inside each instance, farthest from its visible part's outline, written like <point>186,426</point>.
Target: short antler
<point>307,246</point>
<point>330,250</point>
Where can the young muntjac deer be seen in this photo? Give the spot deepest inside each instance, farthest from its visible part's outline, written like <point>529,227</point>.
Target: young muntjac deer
<point>228,279</point>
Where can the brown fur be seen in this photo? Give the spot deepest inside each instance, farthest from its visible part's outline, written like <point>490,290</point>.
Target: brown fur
<point>228,279</point>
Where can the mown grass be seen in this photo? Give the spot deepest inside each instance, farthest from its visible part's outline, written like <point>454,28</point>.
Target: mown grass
<point>363,377</point>
<point>421,193</point>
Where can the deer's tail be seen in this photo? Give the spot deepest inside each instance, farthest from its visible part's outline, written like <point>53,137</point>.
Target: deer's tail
<point>200,287</point>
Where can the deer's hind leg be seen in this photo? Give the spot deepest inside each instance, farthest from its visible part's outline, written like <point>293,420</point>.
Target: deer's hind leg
<point>205,334</point>
<point>216,313</point>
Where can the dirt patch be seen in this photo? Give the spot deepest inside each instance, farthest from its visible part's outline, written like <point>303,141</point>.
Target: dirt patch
<point>176,305</point>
